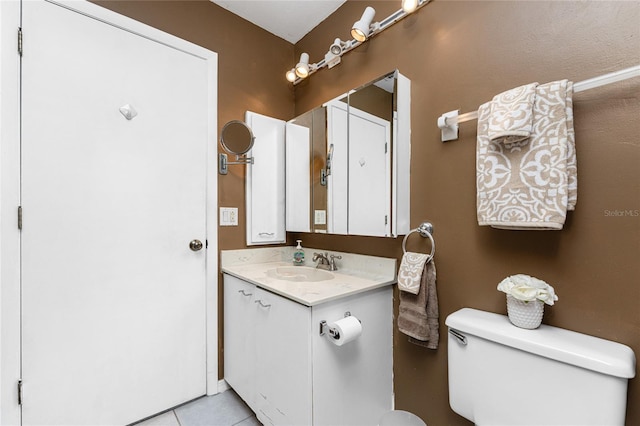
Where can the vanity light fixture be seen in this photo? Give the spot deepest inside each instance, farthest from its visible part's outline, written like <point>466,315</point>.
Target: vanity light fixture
<point>332,57</point>
<point>302,69</point>
<point>362,30</point>
<point>336,47</point>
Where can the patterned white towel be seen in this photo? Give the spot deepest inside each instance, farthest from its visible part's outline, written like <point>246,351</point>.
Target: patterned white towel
<point>511,118</point>
<point>530,184</point>
<point>572,164</point>
<point>410,272</point>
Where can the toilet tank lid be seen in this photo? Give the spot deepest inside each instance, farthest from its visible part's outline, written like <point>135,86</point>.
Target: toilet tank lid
<point>567,346</point>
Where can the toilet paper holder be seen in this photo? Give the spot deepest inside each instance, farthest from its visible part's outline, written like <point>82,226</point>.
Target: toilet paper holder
<point>325,329</point>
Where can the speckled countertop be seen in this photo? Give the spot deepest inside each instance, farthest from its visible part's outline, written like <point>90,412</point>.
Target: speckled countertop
<point>356,273</point>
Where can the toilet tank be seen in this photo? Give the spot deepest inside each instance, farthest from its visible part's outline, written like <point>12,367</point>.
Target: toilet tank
<point>500,374</point>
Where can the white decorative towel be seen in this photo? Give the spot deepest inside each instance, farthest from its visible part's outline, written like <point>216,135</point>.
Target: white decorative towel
<point>530,184</point>
<point>572,164</point>
<point>511,118</point>
<point>410,272</point>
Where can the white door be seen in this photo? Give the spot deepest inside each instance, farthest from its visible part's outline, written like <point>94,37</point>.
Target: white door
<point>113,298</point>
<point>369,174</point>
<point>360,167</point>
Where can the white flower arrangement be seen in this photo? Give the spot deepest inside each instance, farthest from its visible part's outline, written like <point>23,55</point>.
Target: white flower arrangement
<point>526,288</point>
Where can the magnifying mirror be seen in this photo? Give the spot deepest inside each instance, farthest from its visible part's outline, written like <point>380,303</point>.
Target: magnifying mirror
<point>236,138</point>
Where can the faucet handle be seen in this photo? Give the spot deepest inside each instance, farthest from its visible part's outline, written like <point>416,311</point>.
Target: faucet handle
<point>332,261</point>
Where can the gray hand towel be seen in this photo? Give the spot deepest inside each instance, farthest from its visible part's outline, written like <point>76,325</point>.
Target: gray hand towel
<point>418,313</point>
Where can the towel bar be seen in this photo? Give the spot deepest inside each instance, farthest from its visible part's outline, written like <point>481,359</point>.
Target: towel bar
<point>448,122</point>
<point>425,230</point>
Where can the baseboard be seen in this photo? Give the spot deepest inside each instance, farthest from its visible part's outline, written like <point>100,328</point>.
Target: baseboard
<point>223,386</point>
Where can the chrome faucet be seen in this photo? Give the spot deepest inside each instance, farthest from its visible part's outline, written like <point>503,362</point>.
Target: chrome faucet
<point>326,261</point>
<point>322,259</point>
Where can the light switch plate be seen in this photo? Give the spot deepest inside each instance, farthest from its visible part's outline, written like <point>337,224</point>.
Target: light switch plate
<point>228,216</point>
<point>320,217</point>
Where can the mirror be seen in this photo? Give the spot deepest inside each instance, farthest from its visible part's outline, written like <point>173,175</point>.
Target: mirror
<point>359,158</point>
<point>236,138</point>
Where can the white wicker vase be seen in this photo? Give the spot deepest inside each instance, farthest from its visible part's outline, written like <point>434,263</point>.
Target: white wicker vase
<point>525,314</point>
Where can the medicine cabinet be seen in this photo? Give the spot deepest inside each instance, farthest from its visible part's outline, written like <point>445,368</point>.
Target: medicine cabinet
<point>341,168</point>
<point>360,149</point>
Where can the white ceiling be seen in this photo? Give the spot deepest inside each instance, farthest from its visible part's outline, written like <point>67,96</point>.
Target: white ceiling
<point>288,19</point>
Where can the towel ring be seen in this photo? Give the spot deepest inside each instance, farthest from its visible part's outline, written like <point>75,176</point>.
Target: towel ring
<point>426,230</point>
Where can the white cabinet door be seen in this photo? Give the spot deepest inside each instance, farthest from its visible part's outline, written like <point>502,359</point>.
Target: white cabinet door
<point>265,189</point>
<point>337,182</point>
<point>239,337</point>
<point>298,178</point>
<point>283,336</point>
<point>353,383</point>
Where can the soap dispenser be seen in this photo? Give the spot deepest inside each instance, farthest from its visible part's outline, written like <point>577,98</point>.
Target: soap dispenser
<point>298,254</point>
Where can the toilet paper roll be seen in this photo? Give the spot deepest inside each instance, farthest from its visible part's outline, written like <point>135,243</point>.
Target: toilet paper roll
<point>345,330</point>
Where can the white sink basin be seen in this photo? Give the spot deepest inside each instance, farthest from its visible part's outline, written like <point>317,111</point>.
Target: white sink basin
<point>299,274</point>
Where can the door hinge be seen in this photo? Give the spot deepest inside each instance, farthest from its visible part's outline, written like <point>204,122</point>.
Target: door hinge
<point>19,41</point>
<point>20,217</point>
<point>19,392</point>
<point>386,219</point>
<point>385,147</point>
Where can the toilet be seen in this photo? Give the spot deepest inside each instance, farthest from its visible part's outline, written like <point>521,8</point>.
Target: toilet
<point>400,418</point>
<point>500,374</point>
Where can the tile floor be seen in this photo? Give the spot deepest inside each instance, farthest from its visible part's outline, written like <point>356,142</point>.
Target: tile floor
<point>223,409</point>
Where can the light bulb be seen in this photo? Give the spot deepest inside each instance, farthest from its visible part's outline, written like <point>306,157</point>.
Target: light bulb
<point>336,47</point>
<point>291,75</point>
<point>360,30</point>
<point>409,5</point>
<point>302,69</point>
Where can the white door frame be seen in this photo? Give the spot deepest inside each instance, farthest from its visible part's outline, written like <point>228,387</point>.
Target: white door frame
<point>10,345</point>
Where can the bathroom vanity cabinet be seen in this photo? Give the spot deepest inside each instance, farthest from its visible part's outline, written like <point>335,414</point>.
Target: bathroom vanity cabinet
<point>280,365</point>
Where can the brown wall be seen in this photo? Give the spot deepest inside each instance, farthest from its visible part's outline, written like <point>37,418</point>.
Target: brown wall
<point>458,55</point>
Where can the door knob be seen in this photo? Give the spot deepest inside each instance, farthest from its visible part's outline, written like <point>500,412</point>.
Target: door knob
<point>195,245</point>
